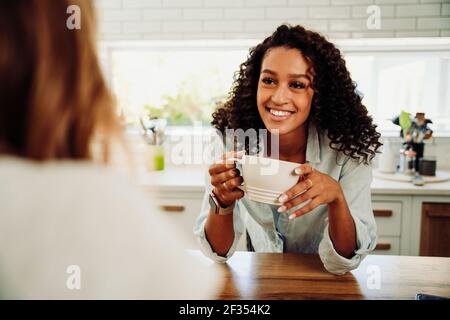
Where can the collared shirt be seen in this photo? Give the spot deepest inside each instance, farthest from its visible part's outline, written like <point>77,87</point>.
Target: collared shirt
<point>271,231</point>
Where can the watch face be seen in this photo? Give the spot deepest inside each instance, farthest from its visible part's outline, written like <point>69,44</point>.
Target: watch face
<point>212,203</point>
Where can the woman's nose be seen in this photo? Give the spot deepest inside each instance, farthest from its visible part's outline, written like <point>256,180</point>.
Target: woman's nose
<point>281,96</point>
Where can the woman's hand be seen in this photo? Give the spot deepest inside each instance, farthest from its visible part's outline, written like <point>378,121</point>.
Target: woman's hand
<point>313,185</point>
<point>225,178</point>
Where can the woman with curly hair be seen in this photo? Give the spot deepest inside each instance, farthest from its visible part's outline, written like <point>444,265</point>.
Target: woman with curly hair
<point>296,85</point>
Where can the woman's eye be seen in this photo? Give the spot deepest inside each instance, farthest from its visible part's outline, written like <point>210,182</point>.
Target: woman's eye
<point>268,81</point>
<point>298,85</point>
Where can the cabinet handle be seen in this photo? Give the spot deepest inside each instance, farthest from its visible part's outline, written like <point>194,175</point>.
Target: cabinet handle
<point>438,214</point>
<point>172,208</point>
<point>382,213</point>
<point>383,246</point>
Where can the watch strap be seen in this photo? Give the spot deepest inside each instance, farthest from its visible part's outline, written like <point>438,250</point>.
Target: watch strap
<point>217,206</point>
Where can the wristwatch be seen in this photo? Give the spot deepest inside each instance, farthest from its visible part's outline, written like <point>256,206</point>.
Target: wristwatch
<point>217,208</point>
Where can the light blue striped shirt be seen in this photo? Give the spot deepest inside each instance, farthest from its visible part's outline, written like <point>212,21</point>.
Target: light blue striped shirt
<point>271,231</point>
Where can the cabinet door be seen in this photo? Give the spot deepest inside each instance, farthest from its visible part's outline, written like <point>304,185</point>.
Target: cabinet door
<point>435,230</point>
<point>387,246</point>
<point>183,214</point>
<point>388,216</point>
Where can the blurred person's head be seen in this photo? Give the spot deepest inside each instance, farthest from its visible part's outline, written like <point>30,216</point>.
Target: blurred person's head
<point>53,98</point>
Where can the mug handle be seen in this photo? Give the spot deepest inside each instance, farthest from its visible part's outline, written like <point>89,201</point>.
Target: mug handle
<point>235,160</point>
<point>242,186</point>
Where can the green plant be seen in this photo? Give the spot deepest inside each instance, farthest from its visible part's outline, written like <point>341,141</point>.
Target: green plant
<point>183,109</point>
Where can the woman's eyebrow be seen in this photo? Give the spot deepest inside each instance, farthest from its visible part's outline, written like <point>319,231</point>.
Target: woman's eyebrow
<point>292,75</point>
<point>299,76</point>
<point>269,72</point>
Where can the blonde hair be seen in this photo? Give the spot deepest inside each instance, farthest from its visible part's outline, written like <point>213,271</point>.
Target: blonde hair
<point>54,99</point>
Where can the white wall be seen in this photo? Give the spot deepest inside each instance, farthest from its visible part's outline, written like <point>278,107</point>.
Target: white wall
<point>255,19</point>
<point>231,19</point>
<point>437,148</point>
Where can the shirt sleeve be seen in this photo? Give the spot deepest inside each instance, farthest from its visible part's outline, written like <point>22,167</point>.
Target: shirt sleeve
<point>355,181</point>
<point>218,149</point>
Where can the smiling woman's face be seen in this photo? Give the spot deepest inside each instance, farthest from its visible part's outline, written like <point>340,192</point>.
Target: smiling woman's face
<point>284,90</point>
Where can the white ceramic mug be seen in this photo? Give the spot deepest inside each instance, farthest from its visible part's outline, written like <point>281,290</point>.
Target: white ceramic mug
<point>265,179</point>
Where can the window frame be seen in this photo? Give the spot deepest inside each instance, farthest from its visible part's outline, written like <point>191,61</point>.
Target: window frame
<point>373,46</point>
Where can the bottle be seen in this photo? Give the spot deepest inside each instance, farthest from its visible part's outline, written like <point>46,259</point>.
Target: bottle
<point>387,162</point>
<point>158,157</point>
<point>155,158</point>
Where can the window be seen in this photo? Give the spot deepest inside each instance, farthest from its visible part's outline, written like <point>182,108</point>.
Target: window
<point>409,80</point>
<point>184,80</point>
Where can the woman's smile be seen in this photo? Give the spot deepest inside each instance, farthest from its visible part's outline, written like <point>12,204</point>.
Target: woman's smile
<point>278,114</point>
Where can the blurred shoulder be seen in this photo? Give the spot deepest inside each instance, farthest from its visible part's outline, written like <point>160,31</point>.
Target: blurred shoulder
<point>70,182</point>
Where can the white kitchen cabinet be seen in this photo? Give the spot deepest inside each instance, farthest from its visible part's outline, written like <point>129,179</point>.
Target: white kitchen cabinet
<point>397,207</point>
<point>398,219</point>
<point>406,209</point>
<point>392,215</point>
<point>182,213</point>
<point>388,246</point>
<point>388,216</point>
<point>183,208</point>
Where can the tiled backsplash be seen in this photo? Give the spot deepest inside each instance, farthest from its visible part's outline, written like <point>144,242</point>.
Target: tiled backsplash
<point>438,148</point>
<point>187,151</point>
<point>255,19</point>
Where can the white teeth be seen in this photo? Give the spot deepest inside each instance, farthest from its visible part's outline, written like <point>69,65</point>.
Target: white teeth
<point>279,113</point>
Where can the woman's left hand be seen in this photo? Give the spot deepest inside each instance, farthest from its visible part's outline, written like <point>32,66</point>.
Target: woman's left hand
<point>313,185</point>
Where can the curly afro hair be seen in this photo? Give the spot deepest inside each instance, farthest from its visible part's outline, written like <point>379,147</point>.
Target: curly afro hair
<point>336,108</point>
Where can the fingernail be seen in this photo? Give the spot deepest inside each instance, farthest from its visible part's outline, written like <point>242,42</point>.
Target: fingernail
<point>282,209</point>
<point>298,171</point>
<point>282,198</point>
<point>292,216</point>
<point>241,153</point>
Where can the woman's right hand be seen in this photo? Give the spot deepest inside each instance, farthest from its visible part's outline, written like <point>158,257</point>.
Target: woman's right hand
<point>226,178</point>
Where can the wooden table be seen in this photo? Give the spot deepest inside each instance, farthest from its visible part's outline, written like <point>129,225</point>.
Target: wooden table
<point>298,276</point>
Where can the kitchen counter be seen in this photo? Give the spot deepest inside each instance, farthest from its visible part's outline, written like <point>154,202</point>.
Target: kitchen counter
<point>250,275</point>
<point>175,180</point>
<point>398,206</point>
<point>192,180</point>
